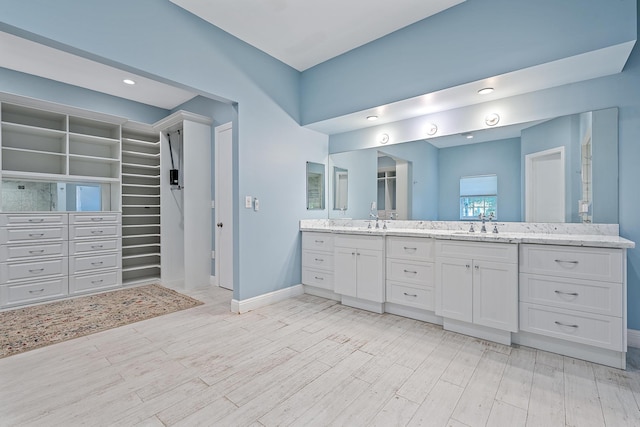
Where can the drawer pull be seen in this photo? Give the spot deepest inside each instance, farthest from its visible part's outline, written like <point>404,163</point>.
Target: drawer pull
<point>565,324</point>
<point>409,271</point>
<point>36,270</point>
<point>97,263</point>
<point>406,248</point>
<point>410,295</point>
<point>96,247</point>
<point>36,220</point>
<point>36,251</point>
<point>319,241</point>
<point>319,260</point>
<point>566,262</point>
<point>467,265</point>
<point>94,282</point>
<point>573,294</point>
<point>318,278</point>
<point>36,234</point>
<point>97,231</point>
<point>477,267</point>
<point>36,291</point>
<point>96,219</point>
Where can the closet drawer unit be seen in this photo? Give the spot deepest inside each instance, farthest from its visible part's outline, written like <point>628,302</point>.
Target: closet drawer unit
<point>26,252</point>
<point>418,297</point>
<point>317,278</point>
<point>317,241</point>
<point>576,262</point>
<point>18,294</point>
<point>418,273</point>
<point>575,294</point>
<point>23,220</point>
<point>93,232</point>
<point>16,271</point>
<point>24,235</point>
<point>591,329</point>
<point>81,264</point>
<point>499,252</point>
<point>89,246</point>
<point>97,218</point>
<point>93,282</point>
<point>317,260</point>
<point>411,248</point>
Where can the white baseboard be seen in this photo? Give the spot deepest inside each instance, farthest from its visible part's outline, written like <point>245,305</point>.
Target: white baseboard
<point>633,338</point>
<point>265,299</point>
<point>213,280</point>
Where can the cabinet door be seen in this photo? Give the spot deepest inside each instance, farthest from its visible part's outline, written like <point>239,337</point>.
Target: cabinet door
<point>370,273</point>
<point>454,288</point>
<point>344,278</point>
<point>495,295</point>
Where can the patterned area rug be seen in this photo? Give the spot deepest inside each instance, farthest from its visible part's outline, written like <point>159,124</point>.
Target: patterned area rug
<point>28,328</point>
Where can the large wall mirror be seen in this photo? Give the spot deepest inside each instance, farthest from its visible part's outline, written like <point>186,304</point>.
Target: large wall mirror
<point>56,196</point>
<point>559,170</point>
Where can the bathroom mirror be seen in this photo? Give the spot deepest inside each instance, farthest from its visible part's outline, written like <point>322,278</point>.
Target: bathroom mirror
<point>315,186</point>
<point>340,188</point>
<point>51,196</point>
<point>590,170</point>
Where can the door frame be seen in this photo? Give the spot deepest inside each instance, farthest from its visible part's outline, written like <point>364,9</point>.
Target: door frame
<point>228,252</point>
<point>528,176</point>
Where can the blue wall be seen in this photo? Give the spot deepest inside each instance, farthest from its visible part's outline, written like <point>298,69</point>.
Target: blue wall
<point>501,158</point>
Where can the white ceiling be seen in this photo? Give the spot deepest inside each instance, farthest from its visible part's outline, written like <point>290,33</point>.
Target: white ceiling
<point>303,33</point>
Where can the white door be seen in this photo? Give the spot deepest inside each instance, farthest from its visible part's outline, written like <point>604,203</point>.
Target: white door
<point>224,205</point>
<point>545,186</point>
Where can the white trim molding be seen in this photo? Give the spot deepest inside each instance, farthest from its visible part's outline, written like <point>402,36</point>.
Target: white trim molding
<point>633,338</point>
<point>263,300</point>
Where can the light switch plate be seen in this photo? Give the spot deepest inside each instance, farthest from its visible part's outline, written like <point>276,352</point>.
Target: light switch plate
<point>248,200</point>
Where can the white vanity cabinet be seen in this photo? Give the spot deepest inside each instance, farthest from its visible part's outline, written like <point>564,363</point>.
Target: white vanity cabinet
<point>576,294</point>
<point>410,272</point>
<point>33,258</point>
<point>477,283</point>
<point>359,270</point>
<point>317,260</point>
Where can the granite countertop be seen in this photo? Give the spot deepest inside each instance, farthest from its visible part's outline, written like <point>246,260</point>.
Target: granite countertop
<point>545,238</point>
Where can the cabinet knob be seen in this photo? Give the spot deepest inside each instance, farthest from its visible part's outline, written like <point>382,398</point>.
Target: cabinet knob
<point>219,225</point>
<point>468,266</point>
<point>477,267</point>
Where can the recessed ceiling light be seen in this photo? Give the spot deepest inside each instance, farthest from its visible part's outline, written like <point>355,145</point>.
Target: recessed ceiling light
<point>128,82</point>
<point>372,118</point>
<point>485,90</point>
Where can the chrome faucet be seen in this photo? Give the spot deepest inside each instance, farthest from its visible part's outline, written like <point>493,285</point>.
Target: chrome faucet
<point>471,229</point>
<point>482,218</point>
<point>375,216</point>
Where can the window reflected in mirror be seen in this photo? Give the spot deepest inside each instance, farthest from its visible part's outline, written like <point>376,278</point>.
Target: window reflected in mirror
<point>315,186</point>
<point>340,188</point>
<point>478,196</point>
<point>46,196</point>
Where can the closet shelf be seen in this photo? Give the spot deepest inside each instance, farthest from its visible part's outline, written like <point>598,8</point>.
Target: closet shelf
<point>33,130</point>
<point>137,175</point>
<point>140,267</point>
<point>93,139</point>
<point>141,154</point>
<point>127,257</point>
<point>145,245</point>
<point>30,151</point>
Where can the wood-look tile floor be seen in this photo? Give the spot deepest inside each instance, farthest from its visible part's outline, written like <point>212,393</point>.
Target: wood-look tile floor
<point>306,361</point>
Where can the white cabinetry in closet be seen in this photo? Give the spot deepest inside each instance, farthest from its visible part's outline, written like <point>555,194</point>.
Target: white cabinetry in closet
<point>140,204</point>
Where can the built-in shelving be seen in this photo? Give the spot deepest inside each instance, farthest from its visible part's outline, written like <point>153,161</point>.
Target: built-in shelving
<point>140,161</point>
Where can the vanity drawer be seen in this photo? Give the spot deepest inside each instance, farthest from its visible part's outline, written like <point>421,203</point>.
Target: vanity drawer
<point>411,248</point>
<point>15,271</point>
<point>317,241</point>
<point>319,260</point>
<point>499,252</point>
<point>25,235</point>
<point>419,273</point>
<point>26,252</point>
<point>575,294</point>
<point>423,297</point>
<point>79,264</point>
<point>82,232</point>
<point>93,282</point>
<point>25,293</point>
<point>317,278</point>
<point>89,246</point>
<point>95,218</point>
<point>591,329</point>
<point>22,220</point>
<point>577,262</point>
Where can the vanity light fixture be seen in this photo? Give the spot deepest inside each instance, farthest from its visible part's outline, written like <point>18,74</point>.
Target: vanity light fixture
<point>491,119</point>
<point>485,91</point>
<point>372,118</point>
<point>383,138</point>
<point>431,129</point>
<point>128,82</point>
<point>467,135</point>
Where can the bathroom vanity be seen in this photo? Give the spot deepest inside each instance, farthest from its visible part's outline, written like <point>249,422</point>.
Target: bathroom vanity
<point>556,287</point>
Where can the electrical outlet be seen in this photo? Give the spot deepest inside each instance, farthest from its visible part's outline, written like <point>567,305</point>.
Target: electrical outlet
<point>213,254</point>
<point>256,204</point>
<point>213,204</point>
<point>248,200</point>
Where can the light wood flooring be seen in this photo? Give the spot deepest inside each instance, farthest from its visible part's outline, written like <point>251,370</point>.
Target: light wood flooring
<point>306,361</point>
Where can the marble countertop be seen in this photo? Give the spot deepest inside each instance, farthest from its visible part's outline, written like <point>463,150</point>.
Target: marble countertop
<point>589,238</point>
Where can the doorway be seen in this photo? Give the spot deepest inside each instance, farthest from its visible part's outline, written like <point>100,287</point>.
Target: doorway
<point>545,186</point>
<point>224,205</point>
